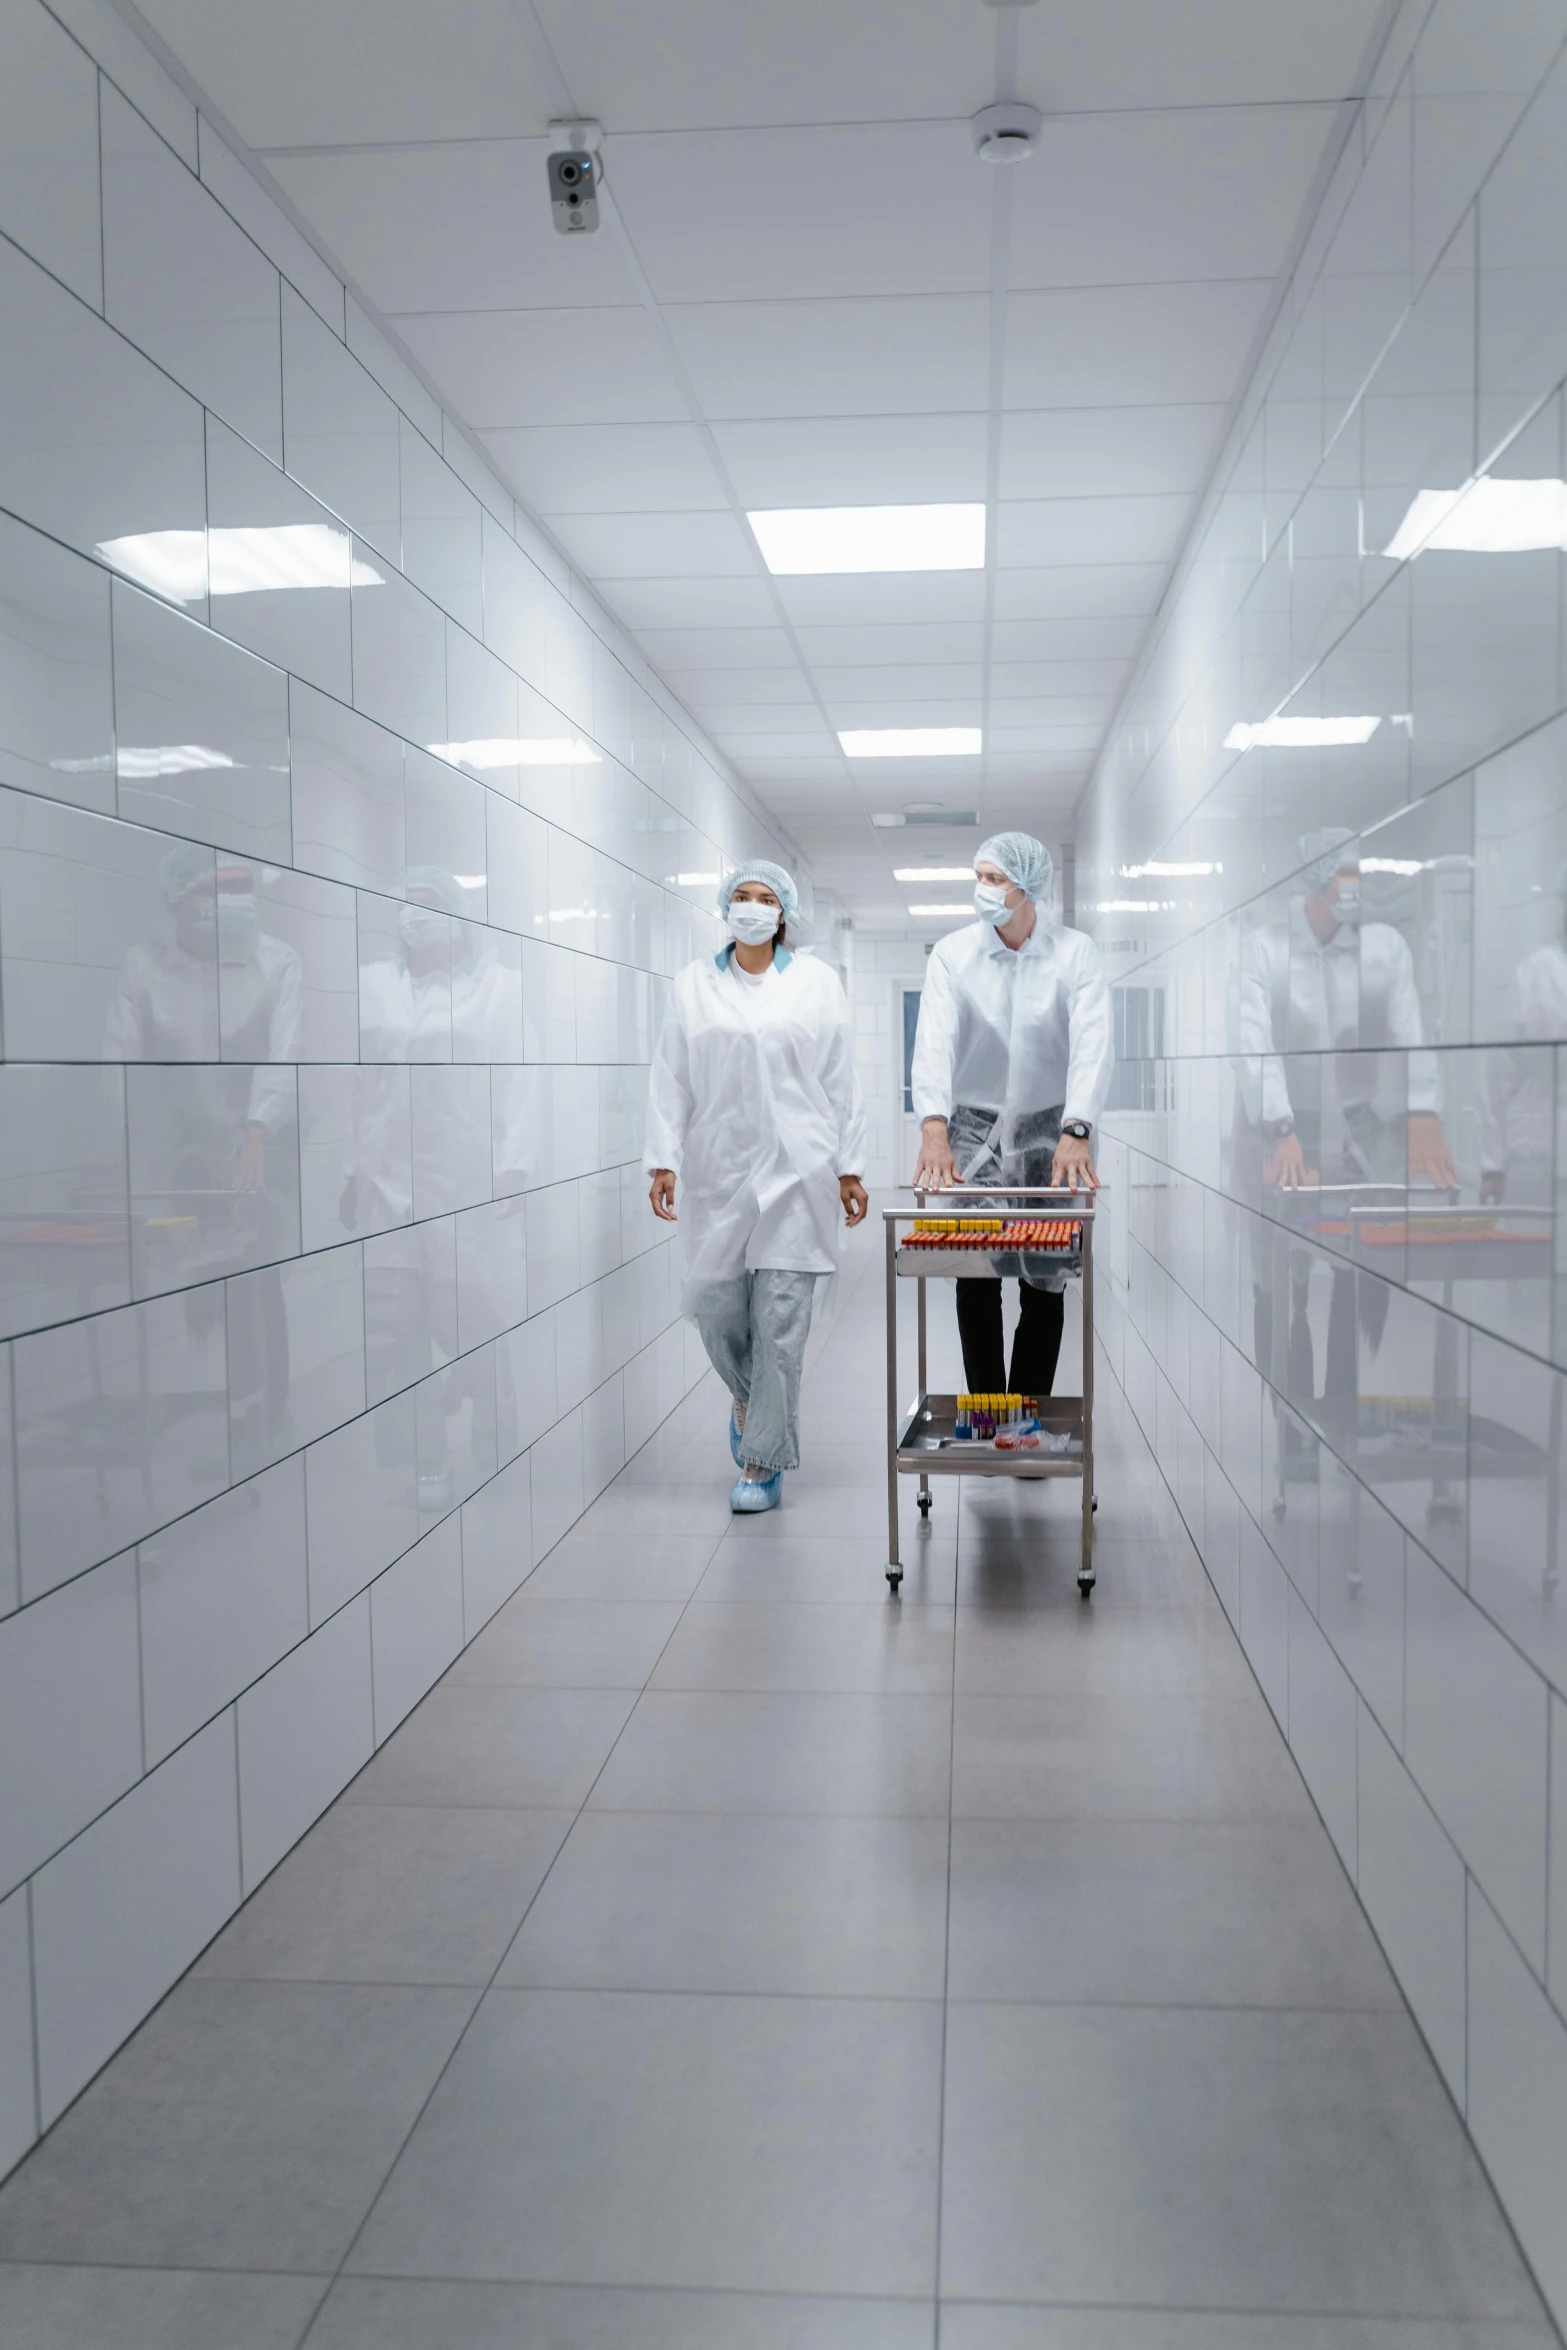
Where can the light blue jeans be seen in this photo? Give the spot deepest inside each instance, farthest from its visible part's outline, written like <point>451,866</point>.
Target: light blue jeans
<point>754,1329</point>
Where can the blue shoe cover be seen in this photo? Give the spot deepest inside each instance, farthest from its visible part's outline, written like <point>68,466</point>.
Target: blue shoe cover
<point>751,1494</point>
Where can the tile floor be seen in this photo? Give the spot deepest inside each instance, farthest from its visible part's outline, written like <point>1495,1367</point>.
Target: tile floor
<point>727,1957</point>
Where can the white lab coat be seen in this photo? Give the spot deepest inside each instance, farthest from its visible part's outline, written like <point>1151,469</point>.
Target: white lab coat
<point>1013,1030</point>
<point>1518,1112</point>
<point>164,1008</point>
<point>1300,994</point>
<point>754,1103</point>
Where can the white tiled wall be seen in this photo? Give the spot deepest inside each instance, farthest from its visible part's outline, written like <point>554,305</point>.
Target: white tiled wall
<point>338,835</point>
<point>1366,1435</point>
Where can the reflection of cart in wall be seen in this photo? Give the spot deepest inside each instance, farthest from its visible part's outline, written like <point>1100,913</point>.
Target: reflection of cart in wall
<point>1442,1438</point>
<point>995,1233</point>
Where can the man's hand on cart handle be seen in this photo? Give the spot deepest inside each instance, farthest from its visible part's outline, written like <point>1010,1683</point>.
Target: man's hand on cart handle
<point>1072,1169</point>
<point>935,1169</point>
<point>662,1194</point>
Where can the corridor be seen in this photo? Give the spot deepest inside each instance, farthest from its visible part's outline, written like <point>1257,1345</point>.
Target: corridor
<point>726,1957</point>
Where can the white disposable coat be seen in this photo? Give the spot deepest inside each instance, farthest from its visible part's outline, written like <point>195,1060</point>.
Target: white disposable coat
<point>754,1103</point>
<point>1518,1111</point>
<point>1013,1030</point>
<point>1301,994</point>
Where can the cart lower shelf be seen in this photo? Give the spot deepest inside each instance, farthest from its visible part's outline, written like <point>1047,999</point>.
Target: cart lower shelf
<point>929,1445</point>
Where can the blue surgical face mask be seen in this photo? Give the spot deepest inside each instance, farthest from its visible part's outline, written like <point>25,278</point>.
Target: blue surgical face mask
<point>990,903</point>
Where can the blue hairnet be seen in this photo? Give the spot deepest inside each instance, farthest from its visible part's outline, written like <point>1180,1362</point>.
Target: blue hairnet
<point>1022,859</point>
<point>772,877</point>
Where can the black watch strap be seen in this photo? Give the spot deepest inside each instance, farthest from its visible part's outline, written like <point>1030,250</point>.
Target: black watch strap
<point>1078,1126</point>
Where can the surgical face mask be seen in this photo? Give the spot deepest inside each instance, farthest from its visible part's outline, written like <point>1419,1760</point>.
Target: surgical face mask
<point>422,928</point>
<point>990,903</point>
<point>195,924</point>
<point>239,926</point>
<point>1346,905</point>
<point>752,924</point>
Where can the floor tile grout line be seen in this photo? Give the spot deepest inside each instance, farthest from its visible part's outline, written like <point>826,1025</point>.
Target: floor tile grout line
<point>946,1961</point>
<point>491,1982</point>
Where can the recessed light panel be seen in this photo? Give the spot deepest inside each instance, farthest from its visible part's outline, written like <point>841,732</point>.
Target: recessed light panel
<point>1486,517</point>
<point>804,539</point>
<point>911,742</point>
<point>1300,734</point>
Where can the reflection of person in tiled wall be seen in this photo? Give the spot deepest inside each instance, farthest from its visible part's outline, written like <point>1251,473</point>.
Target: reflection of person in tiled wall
<point>1518,1110</point>
<point>1324,983</point>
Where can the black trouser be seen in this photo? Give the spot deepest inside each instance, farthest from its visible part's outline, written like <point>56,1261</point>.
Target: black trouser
<point>1036,1343</point>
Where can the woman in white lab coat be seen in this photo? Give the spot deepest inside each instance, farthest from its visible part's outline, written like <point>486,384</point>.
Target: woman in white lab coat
<point>1012,1064</point>
<point>753,1104</point>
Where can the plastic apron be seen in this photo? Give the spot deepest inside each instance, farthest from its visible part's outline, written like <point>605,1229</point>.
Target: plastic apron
<point>1018,1144</point>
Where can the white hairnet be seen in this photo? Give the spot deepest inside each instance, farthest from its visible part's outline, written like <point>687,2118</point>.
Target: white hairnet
<point>771,877</point>
<point>185,867</point>
<point>437,882</point>
<point>1319,852</point>
<point>1022,859</point>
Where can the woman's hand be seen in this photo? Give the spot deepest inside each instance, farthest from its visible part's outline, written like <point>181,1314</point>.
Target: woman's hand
<point>1072,1168</point>
<point>1428,1152</point>
<point>935,1169</point>
<point>856,1206</point>
<point>662,1194</point>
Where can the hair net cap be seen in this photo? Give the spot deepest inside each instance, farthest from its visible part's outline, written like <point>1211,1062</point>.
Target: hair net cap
<point>184,868</point>
<point>438,882</point>
<point>1319,851</point>
<point>771,876</point>
<point>1022,859</point>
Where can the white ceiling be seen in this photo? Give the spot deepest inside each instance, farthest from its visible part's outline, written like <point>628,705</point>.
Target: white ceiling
<point>810,292</point>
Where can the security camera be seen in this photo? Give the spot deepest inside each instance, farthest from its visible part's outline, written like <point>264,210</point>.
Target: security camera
<point>574,172</point>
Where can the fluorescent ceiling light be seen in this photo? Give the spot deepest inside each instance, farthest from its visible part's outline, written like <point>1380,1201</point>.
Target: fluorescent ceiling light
<point>136,764</point>
<point>911,742</point>
<point>870,538</point>
<point>1155,870</point>
<point>1300,734</point>
<point>1404,866</point>
<point>933,873</point>
<point>1135,905</point>
<point>1485,517</point>
<point>509,750</point>
<point>696,881</point>
<point>964,912</point>
<point>251,561</point>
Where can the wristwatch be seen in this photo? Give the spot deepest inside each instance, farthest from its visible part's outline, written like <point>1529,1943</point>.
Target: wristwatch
<point>1278,1128</point>
<point>1078,1126</point>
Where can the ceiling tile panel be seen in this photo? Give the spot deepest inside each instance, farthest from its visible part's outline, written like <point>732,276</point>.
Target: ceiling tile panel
<point>913,641</point>
<point>656,546</point>
<point>1064,591</point>
<point>884,598</point>
<point>1032,531</point>
<point>1120,346</point>
<point>742,66</point>
<point>1114,199</point>
<point>453,228</point>
<point>880,208</point>
<point>674,649</point>
<point>1096,452</point>
<point>1133,53</point>
<point>856,461</point>
<point>304,72</point>
<point>839,358</point>
<point>507,368</point>
<point>693,602</point>
<point>609,468</point>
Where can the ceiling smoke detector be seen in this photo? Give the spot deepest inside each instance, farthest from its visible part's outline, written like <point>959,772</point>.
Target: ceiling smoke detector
<point>1007,132</point>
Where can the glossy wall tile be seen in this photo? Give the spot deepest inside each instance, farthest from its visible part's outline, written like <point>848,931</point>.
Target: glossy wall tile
<point>1337,1146</point>
<point>338,902</point>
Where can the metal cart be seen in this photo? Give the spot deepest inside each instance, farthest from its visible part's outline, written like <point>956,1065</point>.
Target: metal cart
<point>922,1441</point>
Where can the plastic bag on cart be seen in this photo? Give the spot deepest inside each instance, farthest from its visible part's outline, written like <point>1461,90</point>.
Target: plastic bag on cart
<point>993,1150</point>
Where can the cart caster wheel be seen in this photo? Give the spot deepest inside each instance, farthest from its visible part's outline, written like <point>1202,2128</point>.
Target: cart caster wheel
<point>924,1505</point>
<point>1085,1584</point>
<point>1093,1502</point>
<point>894,1577</point>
